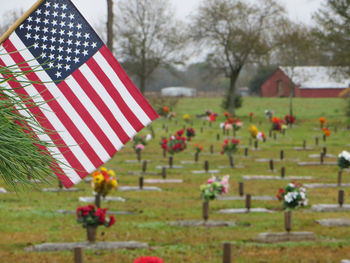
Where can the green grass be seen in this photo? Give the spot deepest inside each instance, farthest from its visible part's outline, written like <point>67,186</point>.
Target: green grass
<point>29,217</point>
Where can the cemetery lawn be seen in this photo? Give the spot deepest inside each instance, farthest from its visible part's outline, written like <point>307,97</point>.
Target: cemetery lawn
<point>30,216</point>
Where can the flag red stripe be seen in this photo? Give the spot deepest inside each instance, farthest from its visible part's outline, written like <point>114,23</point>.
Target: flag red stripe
<point>56,107</point>
<point>113,92</point>
<point>135,93</point>
<point>101,106</point>
<point>87,118</point>
<point>36,112</point>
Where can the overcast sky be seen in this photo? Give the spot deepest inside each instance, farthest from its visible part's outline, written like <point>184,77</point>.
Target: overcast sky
<point>95,10</point>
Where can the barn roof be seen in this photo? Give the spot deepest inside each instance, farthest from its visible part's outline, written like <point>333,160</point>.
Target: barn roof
<point>318,77</point>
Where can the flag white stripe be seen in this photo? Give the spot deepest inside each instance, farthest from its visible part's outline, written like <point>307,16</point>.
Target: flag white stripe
<point>104,95</point>
<point>94,112</point>
<point>62,162</point>
<point>119,86</point>
<point>49,113</point>
<point>70,111</point>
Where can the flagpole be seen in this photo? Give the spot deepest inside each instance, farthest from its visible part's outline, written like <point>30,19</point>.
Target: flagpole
<point>20,21</point>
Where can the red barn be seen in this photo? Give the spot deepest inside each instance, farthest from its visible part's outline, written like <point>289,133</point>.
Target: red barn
<point>309,82</point>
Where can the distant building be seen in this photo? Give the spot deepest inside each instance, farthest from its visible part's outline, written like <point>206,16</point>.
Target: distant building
<point>310,82</point>
<point>243,91</point>
<point>178,92</point>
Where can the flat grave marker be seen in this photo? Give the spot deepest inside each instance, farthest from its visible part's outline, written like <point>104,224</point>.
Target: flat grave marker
<point>48,247</point>
<point>91,199</point>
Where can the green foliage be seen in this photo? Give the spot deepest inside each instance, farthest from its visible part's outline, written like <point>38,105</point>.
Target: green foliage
<point>20,156</point>
<point>260,77</point>
<point>238,102</point>
<point>333,31</point>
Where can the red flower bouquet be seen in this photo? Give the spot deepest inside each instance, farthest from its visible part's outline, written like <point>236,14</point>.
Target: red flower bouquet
<point>89,216</point>
<point>289,119</point>
<point>148,260</point>
<point>190,132</point>
<point>212,117</point>
<point>175,143</point>
<point>230,146</point>
<point>277,124</point>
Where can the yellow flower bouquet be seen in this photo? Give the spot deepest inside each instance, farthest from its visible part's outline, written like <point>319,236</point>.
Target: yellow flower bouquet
<point>104,181</point>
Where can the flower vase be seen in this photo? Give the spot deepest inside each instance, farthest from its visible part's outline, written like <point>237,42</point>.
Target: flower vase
<point>288,220</point>
<point>91,233</point>
<point>205,210</point>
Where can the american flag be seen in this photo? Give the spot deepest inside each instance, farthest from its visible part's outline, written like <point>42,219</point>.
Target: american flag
<point>92,105</point>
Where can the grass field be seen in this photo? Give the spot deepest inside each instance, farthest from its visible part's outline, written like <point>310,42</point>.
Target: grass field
<point>30,217</point>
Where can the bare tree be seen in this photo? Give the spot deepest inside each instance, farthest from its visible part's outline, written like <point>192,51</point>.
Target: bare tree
<point>147,37</point>
<point>235,33</point>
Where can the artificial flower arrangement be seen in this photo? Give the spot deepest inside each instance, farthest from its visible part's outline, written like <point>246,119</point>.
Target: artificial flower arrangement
<point>230,146</point>
<point>104,181</point>
<point>260,136</point>
<point>171,115</point>
<point>289,119</point>
<point>322,121</point>
<point>139,142</point>
<point>231,122</point>
<point>212,117</point>
<point>186,117</point>
<point>344,160</point>
<point>176,143</point>
<point>227,114</point>
<point>198,148</point>
<point>277,124</point>
<point>148,260</point>
<point>214,187</point>
<point>190,133</point>
<point>269,114</point>
<point>253,130</point>
<point>326,131</point>
<point>293,195</point>
<point>164,111</point>
<point>89,216</point>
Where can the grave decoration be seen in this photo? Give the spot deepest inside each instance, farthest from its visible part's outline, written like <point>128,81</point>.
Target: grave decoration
<point>326,131</point>
<point>148,260</point>
<point>187,117</point>
<point>251,115</point>
<point>322,121</point>
<point>230,146</point>
<point>164,111</point>
<point>198,148</point>
<point>176,143</point>
<point>215,187</point>
<point>253,130</point>
<point>269,114</point>
<point>91,218</point>
<point>278,124</point>
<point>256,134</point>
<point>344,160</point>
<point>289,119</point>
<point>171,115</point>
<point>139,143</point>
<point>212,117</point>
<point>103,182</point>
<point>190,133</point>
<point>293,196</point>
